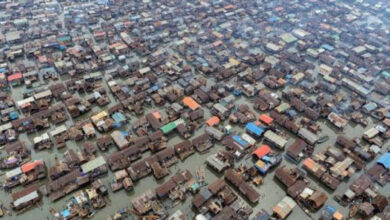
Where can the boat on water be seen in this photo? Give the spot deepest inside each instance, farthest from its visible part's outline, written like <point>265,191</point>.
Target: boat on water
<point>353,210</point>
<point>1,209</point>
<point>323,139</point>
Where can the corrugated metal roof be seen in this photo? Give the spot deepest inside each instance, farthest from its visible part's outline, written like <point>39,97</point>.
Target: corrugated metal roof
<point>93,164</point>
<point>12,173</point>
<point>168,127</point>
<point>262,151</point>
<point>254,129</point>
<point>31,196</point>
<point>191,103</point>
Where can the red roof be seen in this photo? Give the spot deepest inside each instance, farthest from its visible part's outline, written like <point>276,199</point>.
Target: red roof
<point>212,121</point>
<point>262,151</point>
<point>30,166</point>
<point>191,103</point>
<point>157,115</point>
<point>15,76</point>
<point>309,163</point>
<point>42,59</point>
<point>258,123</point>
<point>266,119</point>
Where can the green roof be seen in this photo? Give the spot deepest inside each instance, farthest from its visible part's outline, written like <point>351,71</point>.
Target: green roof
<point>168,127</point>
<point>63,38</point>
<point>386,73</point>
<point>20,21</point>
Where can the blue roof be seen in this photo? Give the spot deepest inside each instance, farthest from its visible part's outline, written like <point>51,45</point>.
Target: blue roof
<point>327,47</point>
<point>135,17</point>
<point>292,112</point>
<point>273,19</point>
<point>239,140</point>
<point>64,38</point>
<point>384,160</point>
<point>118,117</point>
<point>254,129</point>
<point>49,70</point>
<point>205,193</point>
<point>370,106</point>
<point>155,87</point>
<point>266,158</point>
<point>263,169</point>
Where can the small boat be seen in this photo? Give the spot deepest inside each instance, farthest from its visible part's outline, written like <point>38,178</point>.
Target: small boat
<point>323,139</point>
<point>353,210</point>
<point>117,216</point>
<point>90,215</point>
<point>1,209</point>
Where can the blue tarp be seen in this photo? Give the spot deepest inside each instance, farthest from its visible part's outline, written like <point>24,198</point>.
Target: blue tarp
<point>124,133</point>
<point>236,92</point>
<point>331,209</point>
<point>292,113</point>
<point>273,19</point>
<point>239,140</point>
<point>264,168</point>
<point>13,115</point>
<point>62,47</point>
<point>65,213</point>
<point>384,160</point>
<point>263,216</point>
<point>254,129</point>
<point>327,213</point>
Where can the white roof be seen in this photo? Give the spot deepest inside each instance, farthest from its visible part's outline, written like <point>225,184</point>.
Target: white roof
<point>43,94</point>
<point>248,139</point>
<point>144,70</point>
<point>25,101</point>
<point>372,132</point>
<point>200,217</point>
<point>300,33</point>
<point>93,164</point>
<point>58,130</point>
<point>12,173</point>
<point>26,198</point>
<point>5,126</point>
<point>43,137</point>
<point>306,193</point>
<point>220,108</point>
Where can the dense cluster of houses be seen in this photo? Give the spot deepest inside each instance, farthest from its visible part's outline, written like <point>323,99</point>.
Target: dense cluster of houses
<point>118,91</point>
